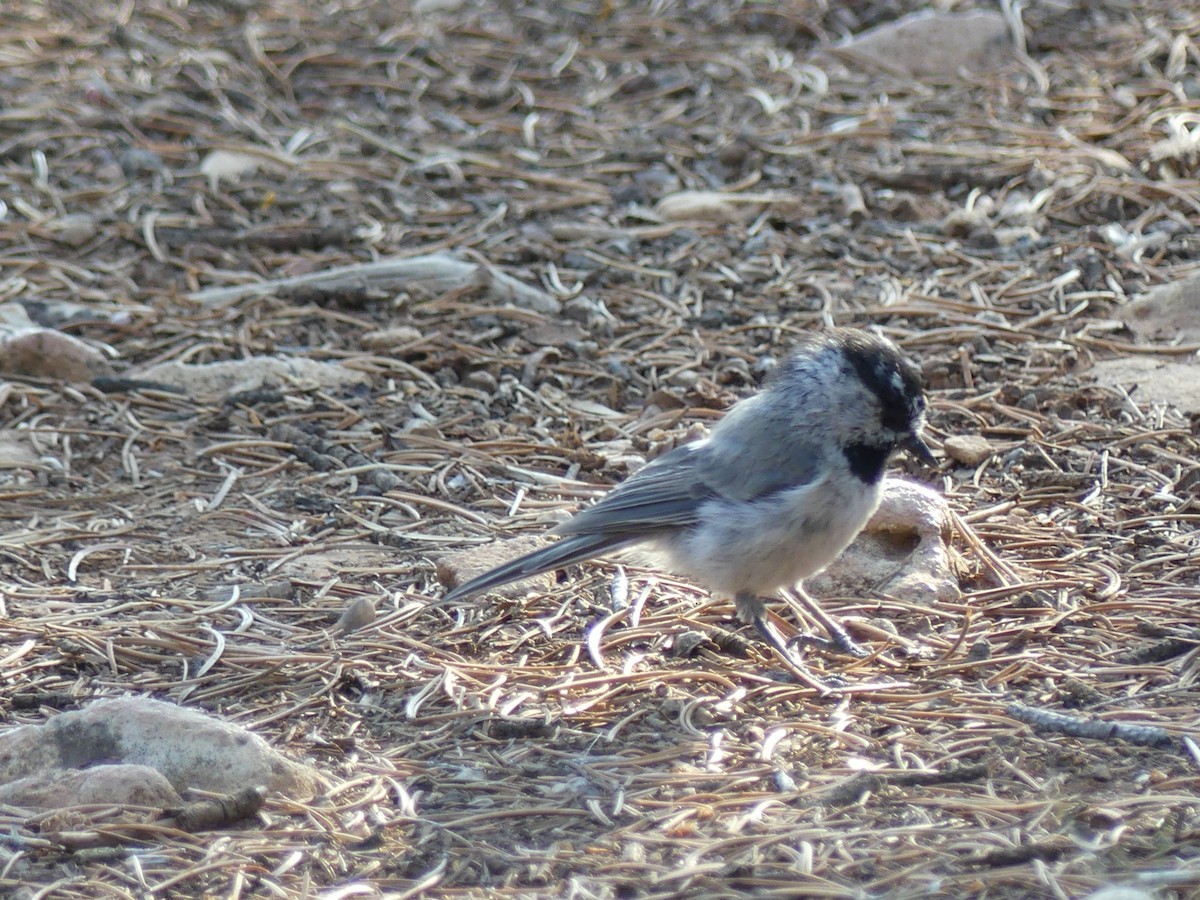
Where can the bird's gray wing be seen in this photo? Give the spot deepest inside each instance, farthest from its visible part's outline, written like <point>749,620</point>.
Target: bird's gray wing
<point>669,492</point>
<point>663,495</point>
<point>759,449</point>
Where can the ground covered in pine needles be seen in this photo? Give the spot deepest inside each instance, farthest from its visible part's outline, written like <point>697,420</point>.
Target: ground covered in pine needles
<point>994,226</point>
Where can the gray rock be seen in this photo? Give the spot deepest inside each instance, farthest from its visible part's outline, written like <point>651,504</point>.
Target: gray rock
<point>1166,312</point>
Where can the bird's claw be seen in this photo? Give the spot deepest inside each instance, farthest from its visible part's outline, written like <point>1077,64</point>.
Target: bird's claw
<point>839,641</point>
<point>793,662</point>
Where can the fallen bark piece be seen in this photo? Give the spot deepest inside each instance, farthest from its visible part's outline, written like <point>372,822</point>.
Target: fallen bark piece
<point>219,811</point>
<point>1097,729</point>
<point>719,206</point>
<point>434,272</point>
<point>327,456</point>
<point>17,452</point>
<point>217,380</point>
<point>930,44</point>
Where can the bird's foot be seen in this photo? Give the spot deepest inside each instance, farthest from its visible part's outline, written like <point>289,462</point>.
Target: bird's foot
<point>792,662</point>
<point>839,641</point>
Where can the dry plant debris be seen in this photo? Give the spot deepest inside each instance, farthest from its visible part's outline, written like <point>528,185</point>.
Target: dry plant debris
<point>204,551</point>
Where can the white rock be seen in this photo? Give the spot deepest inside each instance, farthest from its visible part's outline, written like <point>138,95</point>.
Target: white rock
<point>1121,892</point>
<point>123,784</point>
<point>231,165</point>
<point>73,230</point>
<point>388,338</point>
<point>188,748</point>
<point>903,551</point>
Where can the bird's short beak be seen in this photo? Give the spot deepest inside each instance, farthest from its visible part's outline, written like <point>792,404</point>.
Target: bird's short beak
<point>915,444</point>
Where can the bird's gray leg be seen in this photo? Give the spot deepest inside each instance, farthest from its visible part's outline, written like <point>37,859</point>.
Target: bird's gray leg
<point>751,609</point>
<point>839,639</point>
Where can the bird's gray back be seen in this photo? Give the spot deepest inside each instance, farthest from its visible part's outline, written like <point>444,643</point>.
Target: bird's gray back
<point>752,453</point>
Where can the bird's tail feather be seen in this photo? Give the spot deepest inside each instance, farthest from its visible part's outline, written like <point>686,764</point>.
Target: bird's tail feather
<point>573,549</point>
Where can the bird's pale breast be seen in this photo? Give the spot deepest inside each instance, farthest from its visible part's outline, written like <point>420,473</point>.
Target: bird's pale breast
<point>767,544</point>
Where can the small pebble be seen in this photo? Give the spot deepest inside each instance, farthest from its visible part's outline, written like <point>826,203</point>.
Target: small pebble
<point>387,338</point>
<point>359,614</point>
<point>687,643</point>
<point>968,449</point>
<point>481,380</point>
<point>980,651</point>
<point>687,378</point>
<point>74,230</point>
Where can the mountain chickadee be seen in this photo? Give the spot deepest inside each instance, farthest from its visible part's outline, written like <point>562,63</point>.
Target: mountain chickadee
<point>773,495</point>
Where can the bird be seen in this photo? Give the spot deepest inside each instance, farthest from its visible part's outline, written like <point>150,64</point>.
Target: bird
<point>779,488</point>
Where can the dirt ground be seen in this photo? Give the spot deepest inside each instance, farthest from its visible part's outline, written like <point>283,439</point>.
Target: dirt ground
<point>995,226</point>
